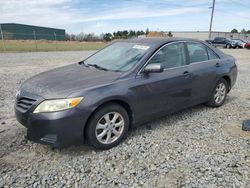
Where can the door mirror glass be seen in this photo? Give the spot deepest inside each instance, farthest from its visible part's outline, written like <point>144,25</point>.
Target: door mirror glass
<point>153,68</point>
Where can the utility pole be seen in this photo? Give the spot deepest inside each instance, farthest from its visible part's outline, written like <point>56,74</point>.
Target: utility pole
<point>211,21</point>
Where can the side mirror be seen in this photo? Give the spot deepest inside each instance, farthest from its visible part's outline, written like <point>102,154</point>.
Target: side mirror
<point>153,68</point>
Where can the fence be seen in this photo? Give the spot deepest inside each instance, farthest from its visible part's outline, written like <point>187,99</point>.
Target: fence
<point>243,36</point>
<point>41,42</point>
<point>53,42</point>
<point>31,40</point>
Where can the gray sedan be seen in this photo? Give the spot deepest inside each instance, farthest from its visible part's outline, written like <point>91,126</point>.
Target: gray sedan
<point>126,84</point>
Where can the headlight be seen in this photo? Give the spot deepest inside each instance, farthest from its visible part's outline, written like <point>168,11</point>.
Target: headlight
<point>57,105</point>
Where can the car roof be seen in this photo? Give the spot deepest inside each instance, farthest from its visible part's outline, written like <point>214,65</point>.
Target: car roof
<point>160,40</point>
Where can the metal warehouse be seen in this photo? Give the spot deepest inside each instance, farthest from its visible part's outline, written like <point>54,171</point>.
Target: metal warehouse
<point>30,32</point>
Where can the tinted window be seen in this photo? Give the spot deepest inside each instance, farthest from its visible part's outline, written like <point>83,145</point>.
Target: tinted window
<point>172,55</point>
<point>197,52</point>
<point>211,54</point>
<point>219,39</point>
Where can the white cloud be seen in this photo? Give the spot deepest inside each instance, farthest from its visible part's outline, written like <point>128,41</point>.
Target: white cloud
<point>39,12</point>
<point>85,17</point>
<point>135,12</point>
<point>58,13</point>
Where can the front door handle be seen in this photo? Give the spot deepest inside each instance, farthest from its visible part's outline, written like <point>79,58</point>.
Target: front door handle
<point>186,74</point>
<point>217,65</point>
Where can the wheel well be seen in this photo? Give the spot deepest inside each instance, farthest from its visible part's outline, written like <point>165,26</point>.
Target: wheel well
<point>228,81</point>
<point>125,105</point>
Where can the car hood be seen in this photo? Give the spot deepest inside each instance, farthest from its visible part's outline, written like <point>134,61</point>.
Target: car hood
<point>63,81</point>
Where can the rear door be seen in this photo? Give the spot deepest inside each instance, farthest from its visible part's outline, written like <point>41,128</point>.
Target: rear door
<point>159,93</point>
<point>203,66</point>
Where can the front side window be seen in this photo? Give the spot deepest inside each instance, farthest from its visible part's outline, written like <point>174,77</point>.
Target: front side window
<point>170,56</point>
<point>197,52</point>
<point>120,56</point>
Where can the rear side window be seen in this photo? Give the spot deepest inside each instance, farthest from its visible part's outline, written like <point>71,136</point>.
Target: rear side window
<point>211,54</point>
<point>197,52</point>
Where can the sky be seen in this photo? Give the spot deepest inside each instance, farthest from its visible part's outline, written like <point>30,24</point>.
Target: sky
<point>102,16</point>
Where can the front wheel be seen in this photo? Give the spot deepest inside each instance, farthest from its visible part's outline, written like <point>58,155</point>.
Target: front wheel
<point>219,94</point>
<point>107,127</point>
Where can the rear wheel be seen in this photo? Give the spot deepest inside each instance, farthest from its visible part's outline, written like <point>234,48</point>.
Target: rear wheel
<point>107,127</point>
<point>228,46</point>
<point>219,94</point>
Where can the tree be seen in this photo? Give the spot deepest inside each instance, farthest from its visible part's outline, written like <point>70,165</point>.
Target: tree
<point>67,37</point>
<point>119,34</point>
<point>147,31</point>
<point>107,37</point>
<point>140,33</point>
<point>243,31</point>
<point>234,31</point>
<point>131,33</point>
<point>72,37</point>
<point>248,31</point>
<point>125,34</point>
<point>170,34</point>
<point>81,36</point>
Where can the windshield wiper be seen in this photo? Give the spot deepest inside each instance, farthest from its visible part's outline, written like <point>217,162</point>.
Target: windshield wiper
<point>97,66</point>
<point>83,63</point>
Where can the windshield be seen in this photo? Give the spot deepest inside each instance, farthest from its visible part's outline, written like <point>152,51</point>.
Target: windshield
<point>119,56</point>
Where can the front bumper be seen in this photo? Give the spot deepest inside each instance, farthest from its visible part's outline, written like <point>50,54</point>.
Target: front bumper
<point>58,129</point>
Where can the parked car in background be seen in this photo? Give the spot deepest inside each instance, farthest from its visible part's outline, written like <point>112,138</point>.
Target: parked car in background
<point>222,42</point>
<point>239,43</point>
<point>126,84</point>
<point>247,45</point>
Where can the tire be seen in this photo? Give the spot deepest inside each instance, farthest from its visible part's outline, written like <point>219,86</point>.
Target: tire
<point>103,131</point>
<point>228,46</point>
<point>217,101</point>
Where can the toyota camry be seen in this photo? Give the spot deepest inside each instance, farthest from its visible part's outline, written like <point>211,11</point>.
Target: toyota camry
<point>128,83</point>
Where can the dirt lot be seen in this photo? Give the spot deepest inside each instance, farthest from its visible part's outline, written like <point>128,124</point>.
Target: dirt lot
<point>198,147</point>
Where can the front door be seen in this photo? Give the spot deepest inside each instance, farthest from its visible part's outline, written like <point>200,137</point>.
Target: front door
<point>160,93</point>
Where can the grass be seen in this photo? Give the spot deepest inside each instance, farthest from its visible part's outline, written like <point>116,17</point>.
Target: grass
<point>45,45</point>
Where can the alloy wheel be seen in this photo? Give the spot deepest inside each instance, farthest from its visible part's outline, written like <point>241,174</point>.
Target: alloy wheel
<point>109,128</point>
<point>220,93</point>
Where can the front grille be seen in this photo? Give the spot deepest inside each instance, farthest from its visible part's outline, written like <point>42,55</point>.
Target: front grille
<point>24,103</point>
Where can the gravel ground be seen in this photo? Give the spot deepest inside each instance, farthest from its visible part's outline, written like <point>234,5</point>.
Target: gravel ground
<point>198,147</point>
